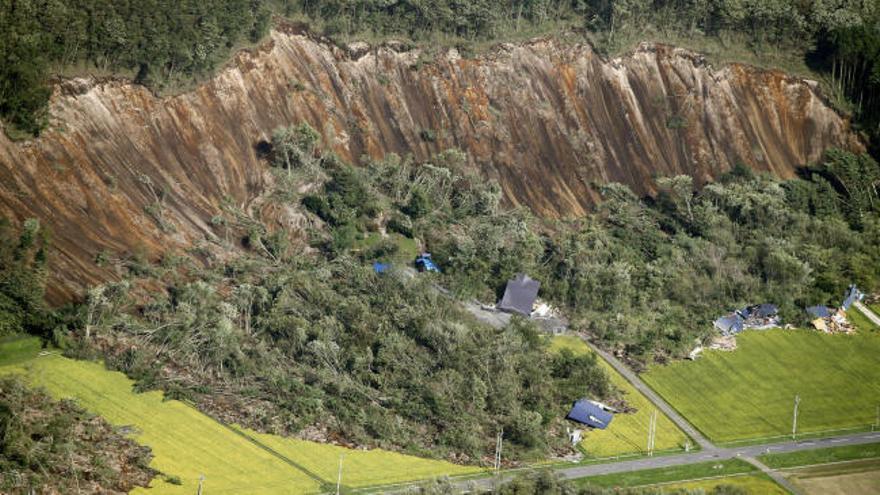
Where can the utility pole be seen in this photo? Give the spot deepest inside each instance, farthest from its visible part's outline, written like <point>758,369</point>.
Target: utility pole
<point>652,432</point>
<point>877,421</point>
<point>797,401</point>
<point>339,476</point>
<point>498,442</point>
<point>201,479</point>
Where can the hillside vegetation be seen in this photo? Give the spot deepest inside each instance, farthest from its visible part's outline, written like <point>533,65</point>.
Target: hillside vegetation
<point>187,445</point>
<point>300,336</point>
<point>48,446</point>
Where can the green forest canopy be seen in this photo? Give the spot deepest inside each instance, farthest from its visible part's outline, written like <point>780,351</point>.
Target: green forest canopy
<point>163,42</point>
<point>293,340</point>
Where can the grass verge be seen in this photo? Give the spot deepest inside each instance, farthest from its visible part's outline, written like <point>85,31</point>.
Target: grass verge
<point>822,456</point>
<point>711,469</point>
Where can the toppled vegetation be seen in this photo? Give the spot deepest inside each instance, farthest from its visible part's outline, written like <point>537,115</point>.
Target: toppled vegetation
<point>48,446</point>
<point>299,335</point>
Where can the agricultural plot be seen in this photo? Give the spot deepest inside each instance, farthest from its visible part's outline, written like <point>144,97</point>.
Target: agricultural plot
<point>187,444</point>
<point>748,394</point>
<point>361,468</point>
<point>847,478</point>
<point>627,433</point>
<point>751,484</point>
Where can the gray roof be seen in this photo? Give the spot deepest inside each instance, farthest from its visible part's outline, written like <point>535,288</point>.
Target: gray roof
<point>520,295</point>
<point>730,324</point>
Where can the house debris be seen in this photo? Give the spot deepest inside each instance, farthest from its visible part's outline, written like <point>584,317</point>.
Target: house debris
<point>694,354</point>
<point>723,343</point>
<point>757,317</point>
<point>586,412</point>
<point>831,320</point>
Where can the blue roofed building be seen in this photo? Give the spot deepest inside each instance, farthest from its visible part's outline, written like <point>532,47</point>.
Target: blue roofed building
<point>853,294</point>
<point>589,413</point>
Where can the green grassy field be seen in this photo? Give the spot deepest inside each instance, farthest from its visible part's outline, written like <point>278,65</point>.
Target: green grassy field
<point>671,474</point>
<point>627,433</point>
<point>822,456</point>
<point>751,484</point>
<point>749,393</point>
<point>861,322</point>
<point>187,444</point>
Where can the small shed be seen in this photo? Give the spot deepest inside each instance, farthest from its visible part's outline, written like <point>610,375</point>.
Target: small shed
<point>520,295</point>
<point>587,412</point>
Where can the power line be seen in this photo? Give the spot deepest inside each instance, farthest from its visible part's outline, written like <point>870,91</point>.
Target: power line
<point>797,402</point>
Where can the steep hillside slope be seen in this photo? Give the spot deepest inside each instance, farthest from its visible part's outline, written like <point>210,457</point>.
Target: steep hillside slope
<point>547,120</point>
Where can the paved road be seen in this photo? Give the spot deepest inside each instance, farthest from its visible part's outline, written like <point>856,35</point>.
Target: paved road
<point>661,404</point>
<point>747,454</point>
<point>867,312</point>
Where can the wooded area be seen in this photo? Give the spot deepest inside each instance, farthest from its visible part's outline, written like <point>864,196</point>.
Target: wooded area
<point>162,43</point>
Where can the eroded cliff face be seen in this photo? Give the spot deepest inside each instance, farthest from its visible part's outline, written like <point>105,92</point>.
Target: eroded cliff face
<point>547,120</point>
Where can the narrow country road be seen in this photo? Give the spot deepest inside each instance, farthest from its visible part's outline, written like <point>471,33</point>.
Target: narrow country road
<point>661,404</point>
<point>868,313</point>
<point>778,478</point>
<point>747,453</point>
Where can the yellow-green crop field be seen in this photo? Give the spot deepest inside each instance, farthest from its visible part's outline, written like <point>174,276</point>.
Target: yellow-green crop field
<point>749,393</point>
<point>751,484</point>
<point>627,433</point>
<point>188,444</point>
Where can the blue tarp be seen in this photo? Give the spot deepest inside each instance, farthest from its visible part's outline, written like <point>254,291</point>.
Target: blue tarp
<point>729,325</point>
<point>819,311</point>
<point>424,263</point>
<point>587,413</point>
<point>381,267</point>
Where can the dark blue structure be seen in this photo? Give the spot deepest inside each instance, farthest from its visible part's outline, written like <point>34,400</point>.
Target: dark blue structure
<point>587,413</point>
<point>819,311</point>
<point>381,267</point>
<point>424,263</point>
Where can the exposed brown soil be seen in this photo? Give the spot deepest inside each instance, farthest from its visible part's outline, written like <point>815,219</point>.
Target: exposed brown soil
<point>548,120</point>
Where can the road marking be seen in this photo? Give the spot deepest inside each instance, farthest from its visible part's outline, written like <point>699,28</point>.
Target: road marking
<point>838,440</point>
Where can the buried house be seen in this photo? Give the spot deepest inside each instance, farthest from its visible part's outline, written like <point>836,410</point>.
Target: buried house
<point>520,295</point>
<point>757,317</point>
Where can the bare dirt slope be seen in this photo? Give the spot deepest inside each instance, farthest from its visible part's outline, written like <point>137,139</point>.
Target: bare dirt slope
<point>548,120</point>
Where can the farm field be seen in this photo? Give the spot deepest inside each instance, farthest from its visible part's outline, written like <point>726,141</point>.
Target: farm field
<point>187,444</point>
<point>749,393</point>
<point>752,485</point>
<point>627,433</point>
<point>846,478</point>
